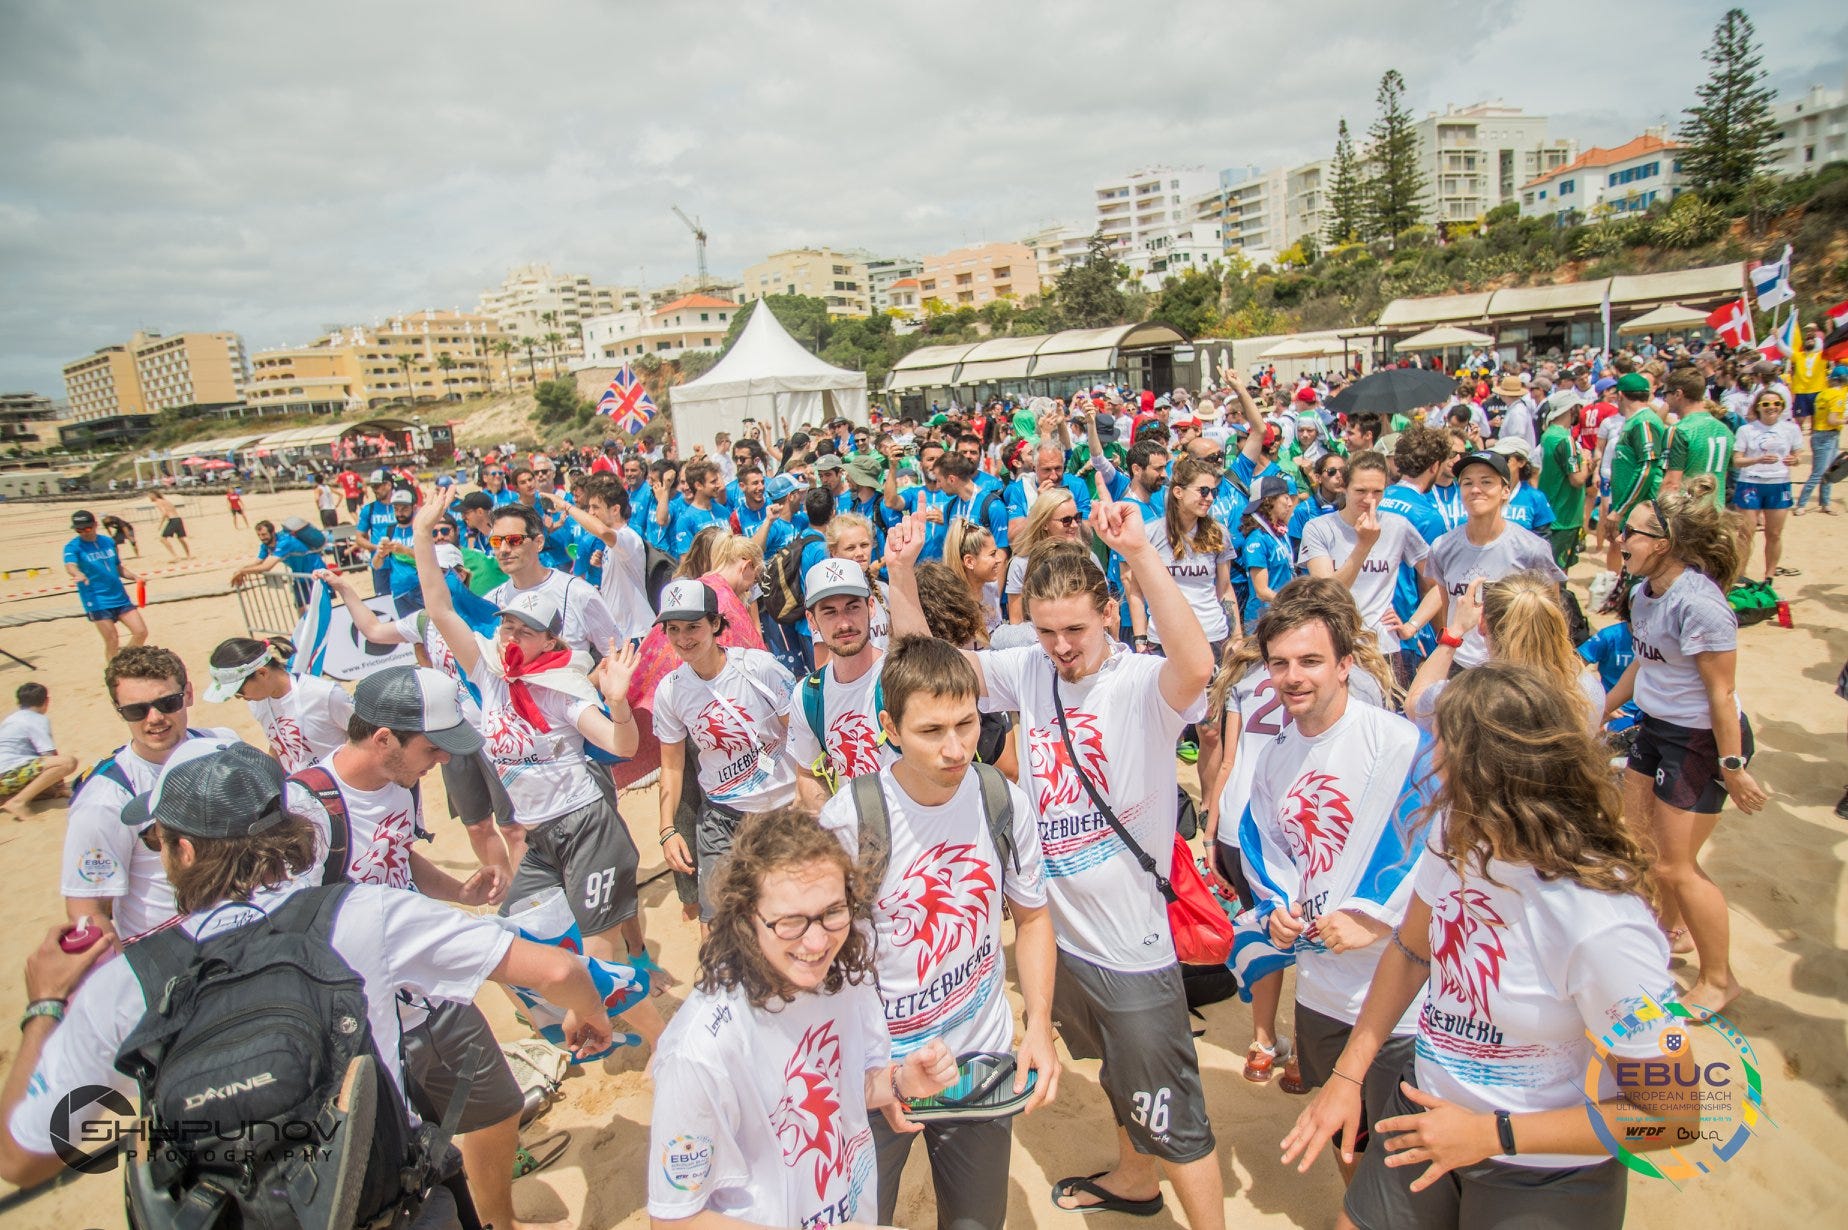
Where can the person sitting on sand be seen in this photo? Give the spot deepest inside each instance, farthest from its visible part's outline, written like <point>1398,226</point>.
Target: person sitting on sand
<point>30,763</point>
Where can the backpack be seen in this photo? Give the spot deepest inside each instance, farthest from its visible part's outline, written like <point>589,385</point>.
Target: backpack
<point>108,768</point>
<point>266,1102</point>
<point>783,580</point>
<point>316,780</point>
<point>875,820</point>
<point>312,537</point>
<point>814,714</point>
<point>657,570</point>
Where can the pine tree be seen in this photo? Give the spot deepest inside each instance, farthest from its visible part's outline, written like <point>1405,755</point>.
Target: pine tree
<point>1395,189</point>
<point>1729,131</point>
<point>1089,292</point>
<point>1345,191</point>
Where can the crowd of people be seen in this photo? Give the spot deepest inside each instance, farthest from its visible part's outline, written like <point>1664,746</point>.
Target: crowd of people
<point>906,679</point>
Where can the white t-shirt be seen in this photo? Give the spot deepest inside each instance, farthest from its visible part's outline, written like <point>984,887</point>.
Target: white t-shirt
<point>25,735</point>
<point>937,914</point>
<point>760,1114</point>
<point>1608,431</point>
<point>1521,970</point>
<point>1669,630</point>
<point>625,585</point>
<point>419,628</point>
<point>1456,561</point>
<point>736,721</point>
<point>435,951</point>
<point>1105,908</point>
<point>878,624</point>
<point>105,858</point>
<point>588,621</point>
<point>545,772</point>
<point>308,723</point>
<point>1754,439</point>
<point>850,717</point>
<point>381,825</point>
<point>1197,576</point>
<point>1334,823</point>
<point>1330,537</point>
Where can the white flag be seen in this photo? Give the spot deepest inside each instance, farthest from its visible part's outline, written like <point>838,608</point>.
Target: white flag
<point>1771,282</point>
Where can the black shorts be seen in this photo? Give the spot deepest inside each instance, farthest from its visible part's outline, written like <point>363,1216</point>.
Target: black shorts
<point>1319,1040</point>
<point>329,518</point>
<point>173,527</point>
<point>588,853</point>
<point>1487,1194</point>
<point>112,615</point>
<point>433,1055</point>
<point>1685,763</point>
<point>1231,869</point>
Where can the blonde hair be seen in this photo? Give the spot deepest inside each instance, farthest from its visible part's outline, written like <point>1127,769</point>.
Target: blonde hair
<point>733,549</point>
<point>1038,516</point>
<point>1209,537</point>
<point>698,560</point>
<point>1701,534</point>
<point>965,538</point>
<point>1527,625</point>
<point>838,526</point>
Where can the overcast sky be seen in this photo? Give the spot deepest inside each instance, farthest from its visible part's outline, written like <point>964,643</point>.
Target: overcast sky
<point>276,168</point>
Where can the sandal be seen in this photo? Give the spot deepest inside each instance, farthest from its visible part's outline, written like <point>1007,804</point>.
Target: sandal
<point>1261,1061</point>
<point>983,1089</point>
<point>1107,1202</point>
<point>542,1153</point>
<point>1292,1081</point>
<point>1782,571</point>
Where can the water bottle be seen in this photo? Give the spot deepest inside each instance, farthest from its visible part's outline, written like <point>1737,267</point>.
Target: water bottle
<point>1783,613</point>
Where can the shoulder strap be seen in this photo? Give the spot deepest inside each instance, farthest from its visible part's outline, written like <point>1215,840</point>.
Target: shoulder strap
<point>813,687</point>
<point>1097,800</point>
<point>875,823</point>
<point>998,810</point>
<point>320,783</point>
<point>311,911</point>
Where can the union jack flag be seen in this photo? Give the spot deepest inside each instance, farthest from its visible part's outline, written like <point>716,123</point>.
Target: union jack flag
<point>627,401</point>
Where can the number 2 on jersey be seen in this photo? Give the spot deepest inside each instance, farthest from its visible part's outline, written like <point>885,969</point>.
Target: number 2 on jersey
<point>1259,723</point>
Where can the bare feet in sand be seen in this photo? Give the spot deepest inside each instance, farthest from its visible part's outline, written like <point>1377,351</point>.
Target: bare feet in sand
<point>1706,999</point>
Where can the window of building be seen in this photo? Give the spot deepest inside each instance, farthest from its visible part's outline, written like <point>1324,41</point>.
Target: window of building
<point>1567,187</point>
<point>705,316</point>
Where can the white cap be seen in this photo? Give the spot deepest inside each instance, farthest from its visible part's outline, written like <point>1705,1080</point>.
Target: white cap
<point>537,608</point>
<point>448,555</point>
<point>833,577</point>
<point>687,599</point>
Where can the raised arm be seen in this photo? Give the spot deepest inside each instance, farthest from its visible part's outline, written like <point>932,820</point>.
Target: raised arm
<point>1253,444</point>
<point>1189,661</point>
<point>366,621</point>
<point>904,543</point>
<point>437,604</point>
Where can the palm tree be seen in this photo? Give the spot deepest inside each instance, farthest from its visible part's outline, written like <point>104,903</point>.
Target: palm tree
<point>552,342</point>
<point>410,391</point>
<point>505,347</point>
<point>447,362</point>
<point>532,373</point>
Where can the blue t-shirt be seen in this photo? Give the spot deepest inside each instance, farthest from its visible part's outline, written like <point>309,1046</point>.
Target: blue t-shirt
<point>403,567</point>
<point>375,520</point>
<point>1421,510</point>
<point>749,518</point>
<point>685,521</point>
<point>1270,551</point>
<point>989,512</point>
<point>1529,509</point>
<point>1311,507</point>
<point>1015,493</point>
<point>1611,650</point>
<point>301,559</point>
<point>1449,504</point>
<point>812,553</point>
<point>875,511</point>
<point>99,584</point>
<point>918,499</point>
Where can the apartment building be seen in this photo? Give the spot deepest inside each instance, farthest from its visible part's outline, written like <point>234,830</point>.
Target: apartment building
<point>1055,246</point>
<point>103,384</point>
<point>152,372</point>
<point>691,322</point>
<point>1305,199</point>
<point>882,272</point>
<point>416,357</point>
<point>1148,203</point>
<point>973,276</point>
<point>839,279</point>
<point>1480,156</point>
<point>1628,178</point>
<point>28,423</point>
<point>1812,131</point>
<point>531,292</point>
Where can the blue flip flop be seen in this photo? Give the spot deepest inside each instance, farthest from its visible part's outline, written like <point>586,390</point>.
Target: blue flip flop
<point>983,1089</point>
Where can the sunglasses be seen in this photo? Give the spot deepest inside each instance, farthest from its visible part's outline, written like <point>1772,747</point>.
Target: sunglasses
<point>497,541</point>
<point>442,531</point>
<point>1212,459</point>
<point>1069,520</point>
<point>1205,492</point>
<point>1629,531</point>
<point>150,837</point>
<point>172,702</point>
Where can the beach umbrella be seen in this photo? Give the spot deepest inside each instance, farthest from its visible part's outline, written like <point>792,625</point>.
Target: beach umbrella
<point>218,465</point>
<point>194,461</point>
<point>1397,390</point>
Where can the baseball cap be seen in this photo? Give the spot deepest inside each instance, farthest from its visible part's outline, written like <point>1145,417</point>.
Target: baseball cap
<point>1484,457</point>
<point>1269,487</point>
<point>538,609</point>
<point>1511,446</point>
<point>1604,384</point>
<point>783,486</point>
<point>1182,423</point>
<point>687,599</point>
<point>403,497</point>
<point>445,481</point>
<point>477,500</point>
<point>379,476</point>
<point>212,788</point>
<point>828,461</point>
<point>832,578</point>
<point>1632,382</point>
<point>417,698</point>
<point>1305,395</point>
<point>1164,400</point>
<point>83,519</point>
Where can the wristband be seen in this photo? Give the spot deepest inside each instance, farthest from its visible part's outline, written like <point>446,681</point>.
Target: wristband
<point>900,1098</point>
<point>1344,1076</point>
<point>53,1008</point>
<point>1504,1128</point>
<point>664,834</point>
<point>1411,956</point>
<point>1447,637</point>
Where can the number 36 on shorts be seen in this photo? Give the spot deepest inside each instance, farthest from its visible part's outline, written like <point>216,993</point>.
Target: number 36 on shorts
<point>1152,1110</point>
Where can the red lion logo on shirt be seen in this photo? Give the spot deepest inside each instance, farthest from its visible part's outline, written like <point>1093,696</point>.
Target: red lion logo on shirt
<point>941,899</point>
<point>805,1119</point>
<point>717,729</point>
<point>386,859</point>
<point>1316,820</point>
<point>1467,953</point>
<point>289,745</point>
<point>1053,767</point>
<point>508,735</point>
<point>855,744</point>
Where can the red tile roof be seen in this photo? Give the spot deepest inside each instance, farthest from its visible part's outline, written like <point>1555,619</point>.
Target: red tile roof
<point>695,301</point>
<point>1599,156</point>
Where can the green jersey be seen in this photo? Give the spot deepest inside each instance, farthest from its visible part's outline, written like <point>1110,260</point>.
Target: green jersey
<point>1637,461</point>
<point>1560,458</point>
<point>1701,444</point>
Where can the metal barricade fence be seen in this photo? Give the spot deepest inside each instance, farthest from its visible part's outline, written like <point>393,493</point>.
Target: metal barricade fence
<point>272,602</point>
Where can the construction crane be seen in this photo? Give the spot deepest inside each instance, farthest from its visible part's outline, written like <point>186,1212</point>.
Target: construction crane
<point>699,238</point>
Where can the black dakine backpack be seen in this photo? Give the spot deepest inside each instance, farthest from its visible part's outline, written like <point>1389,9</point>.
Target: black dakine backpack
<point>783,580</point>
<point>264,1100</point>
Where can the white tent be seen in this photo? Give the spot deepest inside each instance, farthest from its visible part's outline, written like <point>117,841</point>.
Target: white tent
<point>767,376</point>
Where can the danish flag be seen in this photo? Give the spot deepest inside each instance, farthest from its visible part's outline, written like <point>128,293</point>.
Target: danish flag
<point>627,401</point>
<point>1733,322</point>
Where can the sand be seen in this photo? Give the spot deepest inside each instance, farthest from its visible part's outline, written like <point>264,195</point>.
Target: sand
<point>1782,871</point>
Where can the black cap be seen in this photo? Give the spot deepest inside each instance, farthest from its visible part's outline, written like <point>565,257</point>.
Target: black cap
<point>1269,487</point>
<point>1483,457</point>
<point>477,500</point>
<point>207,789</point>
<point>83,519</point>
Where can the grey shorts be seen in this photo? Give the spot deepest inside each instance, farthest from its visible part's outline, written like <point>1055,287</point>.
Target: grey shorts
<point>968,1170</point>
<point>1488,1194</point>
<point>589,853</point>
<point>1319,1039</point>
<point>433,1055</point>
<point>474,790</point>
<point>1138,1025</point>
<point>713,841</point>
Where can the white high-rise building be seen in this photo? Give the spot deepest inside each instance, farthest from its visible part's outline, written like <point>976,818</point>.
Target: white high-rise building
<point>1812,131</point>
<point>1149,204</point>
<point>530,292</point>
<point>1477,157</point>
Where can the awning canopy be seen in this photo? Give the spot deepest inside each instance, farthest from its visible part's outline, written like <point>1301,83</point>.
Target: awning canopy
<point>1018,358</point>
<point>1436,309</point>
<point>1444,336</point>
<point>304,437</point>
<point>1306,348</point>
<point>1668,316</point>
<point>1710,284</point>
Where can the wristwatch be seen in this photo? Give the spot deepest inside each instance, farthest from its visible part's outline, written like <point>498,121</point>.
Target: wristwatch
<point>1732,764</point>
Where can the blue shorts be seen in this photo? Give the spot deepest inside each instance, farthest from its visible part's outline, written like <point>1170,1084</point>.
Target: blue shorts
<point>110,615</point>
<point>1803,405</point>
<point>1760,496</point>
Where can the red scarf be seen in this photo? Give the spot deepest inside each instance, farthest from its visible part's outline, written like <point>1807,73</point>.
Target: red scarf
<point>515,667</point>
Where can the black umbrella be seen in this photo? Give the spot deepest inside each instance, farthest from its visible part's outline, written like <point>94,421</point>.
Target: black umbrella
<point>1397,390</point>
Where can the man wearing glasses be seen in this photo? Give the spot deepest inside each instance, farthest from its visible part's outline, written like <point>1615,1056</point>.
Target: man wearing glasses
<point>494,482</point>
<point>515,537</point>
<point>107,872</point>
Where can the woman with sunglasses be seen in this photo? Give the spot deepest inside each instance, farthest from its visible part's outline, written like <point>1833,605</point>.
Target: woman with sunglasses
<point>1054,517</point>
<point>764,1080</point>
<point>1694,742</point>
<point>1764,448</point>
<point>1198,554</point>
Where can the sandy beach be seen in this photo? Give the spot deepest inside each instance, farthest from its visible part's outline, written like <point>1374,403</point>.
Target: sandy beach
<point>1782,871</point>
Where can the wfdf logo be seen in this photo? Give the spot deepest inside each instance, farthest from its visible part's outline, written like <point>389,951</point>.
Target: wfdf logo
<point>91,1148</point>
<point>1721,1086</point>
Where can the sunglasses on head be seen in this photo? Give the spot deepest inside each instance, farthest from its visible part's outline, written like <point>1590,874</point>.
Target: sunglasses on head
<point>172,702</point>
<point>497,541</point>
<point>1212,459</point>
